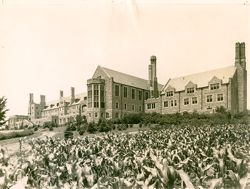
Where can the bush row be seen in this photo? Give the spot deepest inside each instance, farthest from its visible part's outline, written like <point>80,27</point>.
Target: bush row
<point>15,134</point>
<point>218,118</point>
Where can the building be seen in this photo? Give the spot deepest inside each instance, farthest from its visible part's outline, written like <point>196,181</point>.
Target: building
<point>60,111</point>
<point>112,94</point>
<point>204,92</point>
<point>18,121</point>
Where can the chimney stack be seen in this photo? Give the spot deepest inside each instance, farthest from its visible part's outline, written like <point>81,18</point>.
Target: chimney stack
<point>153,64</point>
<point>61,94</point>
<point>154,77</point>
<point>150,75</point>
<point>42,101</point>
<point>240,58</point>
<point>72,94</point>
<point>31,98</point>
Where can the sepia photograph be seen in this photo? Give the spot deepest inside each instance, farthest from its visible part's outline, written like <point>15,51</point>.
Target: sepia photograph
<point>124,94</point>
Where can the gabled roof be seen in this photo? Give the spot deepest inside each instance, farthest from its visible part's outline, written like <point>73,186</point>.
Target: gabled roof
<point>202,78</point>
<point>127,79</point>
<point>67,99</point>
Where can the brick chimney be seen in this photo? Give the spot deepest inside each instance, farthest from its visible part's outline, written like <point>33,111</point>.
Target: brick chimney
<point>31,98</point>
<point>61,94</point>
<point>154,77</point>
<point>72,99</point>
<point>42,101</point>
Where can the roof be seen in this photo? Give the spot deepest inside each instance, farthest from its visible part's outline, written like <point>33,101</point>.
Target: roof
<point>127,79</point>
<point>19,116</point>
<point>67,99</point>
<point>201,79</point>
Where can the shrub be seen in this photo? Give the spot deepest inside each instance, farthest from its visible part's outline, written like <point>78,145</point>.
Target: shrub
<point>81,131</point>
<point>68,135</point>
<point>92,127</point>
<point>104,127</point>
<point>35,128</point>
<point>16,134</point>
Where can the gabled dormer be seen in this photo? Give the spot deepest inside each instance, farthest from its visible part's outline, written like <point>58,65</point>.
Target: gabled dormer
<point>169,91</point>
<point>190,87</point>
<point>215,83</point>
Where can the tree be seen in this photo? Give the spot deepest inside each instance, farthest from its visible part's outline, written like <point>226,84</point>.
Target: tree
<point>3,110</point>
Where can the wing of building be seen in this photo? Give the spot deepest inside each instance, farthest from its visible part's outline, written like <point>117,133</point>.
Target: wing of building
<point>206,91</point>
<point>60,111</point>
<point>113,94</point>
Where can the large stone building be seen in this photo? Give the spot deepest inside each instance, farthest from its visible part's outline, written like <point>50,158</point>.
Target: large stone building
<point>204,92</point>
<point>60,111</point>
<point>112,94</point>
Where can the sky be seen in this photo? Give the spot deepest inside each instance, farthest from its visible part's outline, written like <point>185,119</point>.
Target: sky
<point>52,45</point>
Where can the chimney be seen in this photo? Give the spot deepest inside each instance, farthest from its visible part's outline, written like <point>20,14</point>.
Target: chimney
<point>154,77</point>
<point>150,75</point>
<point>242,55</point>
<point>237,53</point>
<point>153,64</point>
<point>42,101</point>
<point>72,94</point>
<point>31,98</point>
<point>61,94</point>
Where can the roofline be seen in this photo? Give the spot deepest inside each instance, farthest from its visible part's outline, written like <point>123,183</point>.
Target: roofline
<point>203,72</point>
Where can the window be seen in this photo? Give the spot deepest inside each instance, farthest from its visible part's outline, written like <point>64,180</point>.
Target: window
<point>220,97</point>
<point>116,115</point>
<point>140,95</point>
<point>190,90</point>
<point>107,115</point>
<point>116,105</point>
<point>125,92</point>
<point>214,86</point>
<point>140,109</point>
<point>117,90</point>
<point>172,103</point>
<point>133,93</point>
<point>165,103</point>
<point>96,96</point>
<point>133,107</point>
<point>90,96</point>
<point>146,95</point>
<point>89,114</point>
<point>96,114</point>
<point>153,105</point>
<point>170,93</point>
<point>209,98</point>
<point>125,106</point>
<point>149,106</point>
<point>194,100</point>
<point>175,102</point>
<point>102,96</point>
<point>186,101</point>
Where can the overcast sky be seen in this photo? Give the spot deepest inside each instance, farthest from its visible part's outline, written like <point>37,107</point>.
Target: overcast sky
<point>47,46</point>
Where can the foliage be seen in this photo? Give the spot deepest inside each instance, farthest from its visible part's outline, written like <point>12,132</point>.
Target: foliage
<point>49,124</point>
<point>220,117</point>
<point>68,134</point>
<point>92,127</point>
<point>3,110</point>
<point>15,134</point>
<point>104,126</point>
<point>177,156</point>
